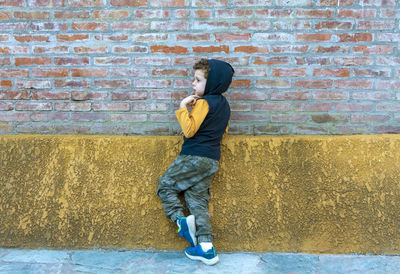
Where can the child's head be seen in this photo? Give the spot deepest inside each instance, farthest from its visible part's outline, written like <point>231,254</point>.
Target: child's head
<point>211,77</point>
<point>201,70</point>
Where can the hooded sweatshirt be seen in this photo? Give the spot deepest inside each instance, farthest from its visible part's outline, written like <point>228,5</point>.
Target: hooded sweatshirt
<point>206,142</point>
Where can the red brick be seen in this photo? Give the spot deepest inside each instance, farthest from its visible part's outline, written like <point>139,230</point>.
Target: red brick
<point>387,85</point>
<point>131,117</point>
<point>353,84</point>
<point>49,27</point>
<point>89,117</point>
<point>387,13</point>
<point>223,37</point>
<point>332,49</point>
<point>167,49</point>
<point>390,61</point>
<point>13,3</point>
<point>236,116</point>
<point>330,95</point>
<point>376,49</point>
<point>181,14</point>
<point>14,73</point>
<point>56,49</point>
<point>289,118</point>
<point>33,106</point>
<point>128,3</point>
<point>170,26</point>
<point>162,117</point>
<point>48,95</point>
<point>250,3</point>
<point>248,71</point>
<point>210,3</point>
<point>89,73</point>
<point>86,3</point>
<point>72,37</point>
<point>88,95</point>
<point>292,25</point>
<point>69,14</point>
<point>129,95</point>
<point>335,25</point>
<point>13,27</point>
<point>5,84</point>
<point>248,95</point>
<point>371,95</point>
<point>30,61</point>
<point>272,84</point>
<point>150,38</point>
<point>355,37</point>
<point>332,72</point>
<point>280,13</point>
<point>353,61</point>
<point>14,117</point>
<point>290,49</point>
<point>130,49</point>
<point>376,25</point>
<point>85,50</point>
<point>4,37</point>
<point>47,3</point>
<point>130,25</point>
<point>271,61</point>
<point>150,106</point>
<point>335,3</point>
<point>252,49</point>
<point>251,25</point>
<point>187,84</point>
<point>13,50</point>
<point>72,129</point>
<point>50,117</point>
<point>112,38</point>
<point>377,2</point>
<point>32,38</point>
<point>203,13</point>
<point>144,83</point>
<point>147,14</point>
<point>13,95</point>
<point>170,72</point>
<point>89,26</point>
<point>67,106</point>
<point>168,95</point>
<point>350,13</point>
<point>314,13</point>
<point>329,118</point>
<point>153,61</point>
<point>71,61</point>
<point>372,72</point>
<point>289,95</point>
<point>5,106</point>
<point>280,37</point>
<point>169,3</point>
<point>33,15</point>
<point>210,25</point>
<point>387,129</point>
<point>193,37</point>
<point>63,83</point>
<point>111,107</point>
<point>211,49</point>
<point>112,61</point>
<point>50,73</point>
<point>111,14</point>
<point>124,72</point>
<point>313,37</point>
<point>392,107</point>
<point>112,83</point>
<point>5,61</point>
<point>271,107</point>
<point>310,84</point>
<point>364,107</point>
<point>320,107</point>
<point>240,107</point>
<point>289,72</point>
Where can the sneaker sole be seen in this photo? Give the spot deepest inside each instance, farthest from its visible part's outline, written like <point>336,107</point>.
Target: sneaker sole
<point>192,228</point>
<point>212,261</point>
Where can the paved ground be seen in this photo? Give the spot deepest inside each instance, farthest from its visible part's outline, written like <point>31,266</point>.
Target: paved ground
<point>138,261</point>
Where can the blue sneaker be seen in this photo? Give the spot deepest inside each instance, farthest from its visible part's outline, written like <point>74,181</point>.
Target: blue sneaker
<point>196,253</point>
<point>187,229</point>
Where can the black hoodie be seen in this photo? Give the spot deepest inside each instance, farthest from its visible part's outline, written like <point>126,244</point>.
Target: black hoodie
<point>207,140</point>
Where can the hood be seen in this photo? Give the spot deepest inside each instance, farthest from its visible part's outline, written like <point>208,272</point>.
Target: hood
<point>219,78</point>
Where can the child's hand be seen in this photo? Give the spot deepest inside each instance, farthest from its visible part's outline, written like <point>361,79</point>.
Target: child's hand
<point>190,100</point>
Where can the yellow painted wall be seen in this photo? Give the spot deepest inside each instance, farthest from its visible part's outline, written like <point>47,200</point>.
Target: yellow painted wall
<point>316,194</point>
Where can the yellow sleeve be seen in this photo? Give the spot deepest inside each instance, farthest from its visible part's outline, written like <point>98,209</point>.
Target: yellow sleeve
<point>190,123</point>
<point>226,131</point>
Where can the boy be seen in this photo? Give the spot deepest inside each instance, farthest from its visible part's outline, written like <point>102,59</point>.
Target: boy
<point>195,167</point>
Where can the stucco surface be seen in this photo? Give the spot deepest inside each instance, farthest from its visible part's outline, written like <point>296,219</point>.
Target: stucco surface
<point>316,194</point>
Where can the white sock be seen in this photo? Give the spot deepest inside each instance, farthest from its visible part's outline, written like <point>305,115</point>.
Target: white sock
<point>206,246</point>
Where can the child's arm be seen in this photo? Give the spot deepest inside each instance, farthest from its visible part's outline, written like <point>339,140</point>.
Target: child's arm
<point>190,123</point>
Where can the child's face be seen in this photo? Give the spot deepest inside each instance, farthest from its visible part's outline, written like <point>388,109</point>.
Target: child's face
<point>199,83</point>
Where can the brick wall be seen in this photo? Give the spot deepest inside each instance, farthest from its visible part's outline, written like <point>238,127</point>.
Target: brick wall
<point>121,66</point>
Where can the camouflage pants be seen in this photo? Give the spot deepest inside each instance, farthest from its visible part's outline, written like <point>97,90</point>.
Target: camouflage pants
<point>191,175</point>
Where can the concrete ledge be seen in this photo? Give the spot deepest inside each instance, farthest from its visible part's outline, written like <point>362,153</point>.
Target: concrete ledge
<point>314,194</point>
